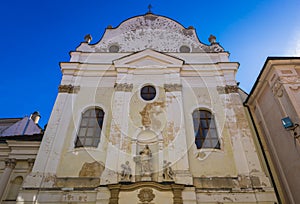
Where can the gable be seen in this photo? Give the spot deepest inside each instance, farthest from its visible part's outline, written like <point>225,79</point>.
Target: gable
<point>148,59</point>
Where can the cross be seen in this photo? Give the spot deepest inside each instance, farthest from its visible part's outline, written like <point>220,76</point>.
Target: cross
<point>149,8</point>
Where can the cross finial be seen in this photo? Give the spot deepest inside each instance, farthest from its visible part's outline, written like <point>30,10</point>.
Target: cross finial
<point>149,8</point>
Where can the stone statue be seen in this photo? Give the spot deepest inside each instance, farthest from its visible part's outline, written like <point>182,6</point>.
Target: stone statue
<point>145,160</point>
<point>126,172</point>
<point>168,173</point>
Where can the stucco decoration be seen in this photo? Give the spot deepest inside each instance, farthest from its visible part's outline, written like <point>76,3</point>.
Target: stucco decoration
<point>126,172</point>
<point>93,169</point>
<point>146,195</point>
<point>150,31</point>
<point>168,173</point>
<point>68,89</point>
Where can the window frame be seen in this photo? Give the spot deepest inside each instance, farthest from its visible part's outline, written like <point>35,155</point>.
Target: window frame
<point>141,92</point>
<point>95,139</point>
<point>202,135</point>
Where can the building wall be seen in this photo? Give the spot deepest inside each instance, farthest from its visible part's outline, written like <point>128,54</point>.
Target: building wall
<point>203,78</point>
<point>16,162</point>
<point>276,96</point>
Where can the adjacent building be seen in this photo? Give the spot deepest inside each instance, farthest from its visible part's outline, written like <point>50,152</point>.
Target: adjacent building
<point>20,140</point>
<point>274,98</point>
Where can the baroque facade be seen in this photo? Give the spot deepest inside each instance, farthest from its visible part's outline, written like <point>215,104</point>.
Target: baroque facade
<point>149,114</point>
<point>275,96</point>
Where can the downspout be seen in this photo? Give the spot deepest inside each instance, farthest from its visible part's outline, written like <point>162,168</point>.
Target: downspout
<point>264,154</point>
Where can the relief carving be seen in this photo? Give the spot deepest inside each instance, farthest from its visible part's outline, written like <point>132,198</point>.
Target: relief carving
<point>146,195</point>
<point>276,89</point>
<point>290,79</point>
<point>93,169</point>
<point>294,87</point>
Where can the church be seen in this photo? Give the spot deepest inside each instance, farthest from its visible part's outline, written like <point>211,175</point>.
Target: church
<point>147,115</point>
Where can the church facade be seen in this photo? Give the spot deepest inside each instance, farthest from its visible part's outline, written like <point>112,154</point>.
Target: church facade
<point>149,114</point>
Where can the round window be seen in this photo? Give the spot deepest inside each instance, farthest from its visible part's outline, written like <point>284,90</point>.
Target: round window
<point>185,49</point>
<point>148,93</point>
<point>114,48</point>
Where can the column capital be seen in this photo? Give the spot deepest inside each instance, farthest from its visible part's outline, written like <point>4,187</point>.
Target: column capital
<point>68,89</point>
<point>11,163</point>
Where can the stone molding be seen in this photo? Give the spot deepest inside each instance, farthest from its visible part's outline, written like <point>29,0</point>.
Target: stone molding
<point>227,89</point>
<point>172,87</point>
<point>276,88</point>
<point>68,89</point>
<point>123,87</point>
<point>175,188</point>
<point>289,80</point>
<point>10,163</point>
<point>293,81</point>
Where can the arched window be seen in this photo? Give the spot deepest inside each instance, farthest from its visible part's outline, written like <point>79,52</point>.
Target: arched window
<point>205,130</point>
<point>90,128</point>
<point>14,188</point>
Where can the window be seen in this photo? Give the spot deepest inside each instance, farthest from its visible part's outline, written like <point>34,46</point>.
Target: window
<point>148,93</point>
<point>14,189</point>
<point>90,128</point>
<point>205,130</point>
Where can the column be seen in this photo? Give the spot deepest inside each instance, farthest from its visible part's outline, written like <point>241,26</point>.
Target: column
<point>119,143</point>
<point>9,166</point>
<point>176,136</point>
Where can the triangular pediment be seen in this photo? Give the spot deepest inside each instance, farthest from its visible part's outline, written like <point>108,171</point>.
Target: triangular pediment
<point>148,59</point>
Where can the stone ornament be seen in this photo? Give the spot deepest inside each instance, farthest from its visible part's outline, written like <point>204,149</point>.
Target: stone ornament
<point>227,89</point>
<point>10,163</point>
<point>146,195</point>
<point>151,32</point>
<point>290,80</point>
<point>172,87</point>
<point>276,89</point>
<point>126,172</point>
<point>123,87</point>
<point>68,89</point>
<point>168,173</point>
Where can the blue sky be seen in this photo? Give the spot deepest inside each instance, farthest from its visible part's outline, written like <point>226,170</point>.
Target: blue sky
<point>37,35</point>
